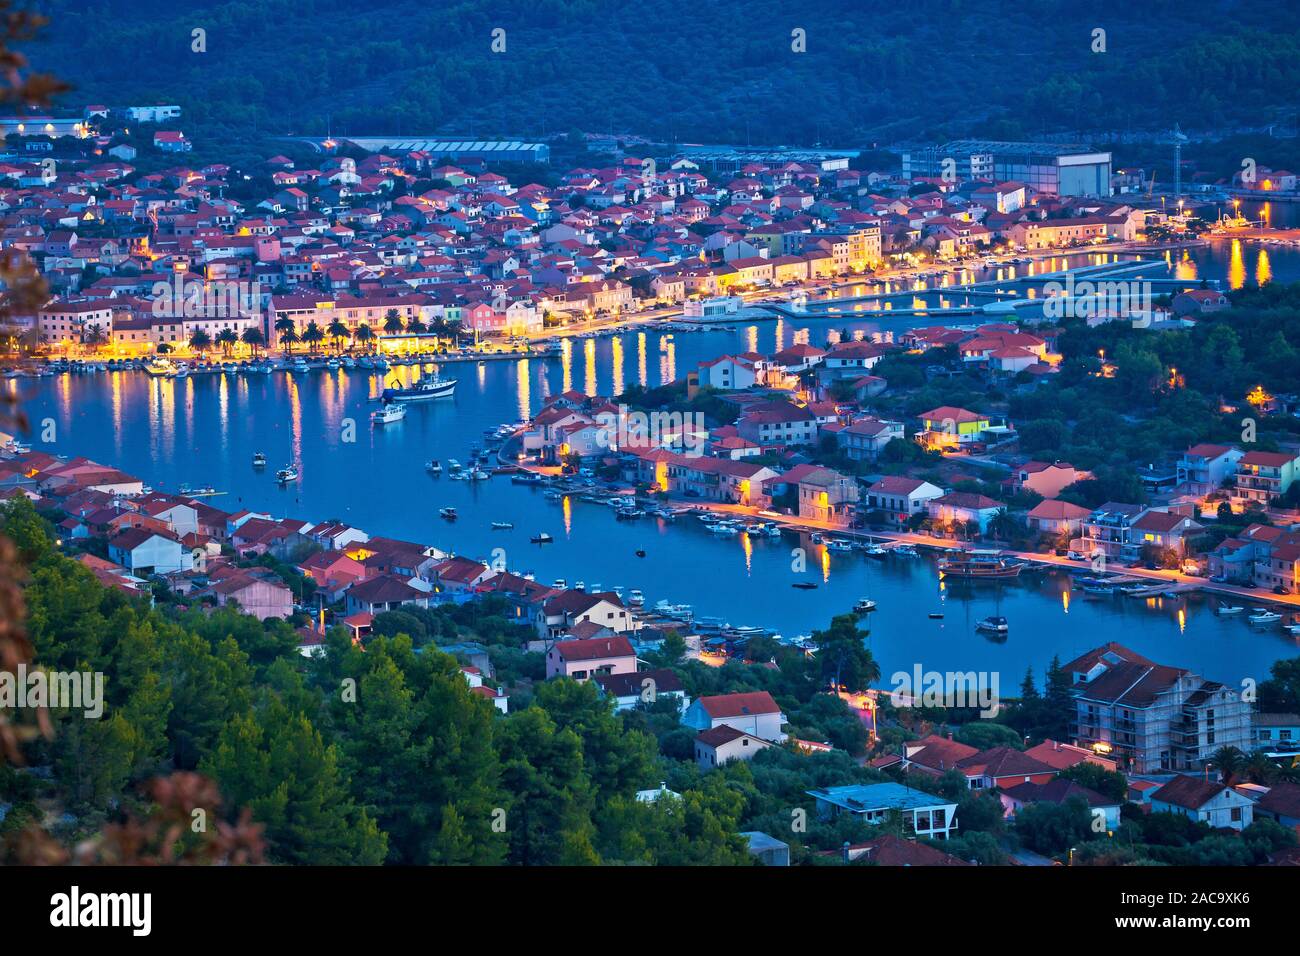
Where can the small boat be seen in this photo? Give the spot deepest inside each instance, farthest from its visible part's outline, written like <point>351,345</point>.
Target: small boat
<point>1173,595</point>
<point>394,412</point>
<point>936,615</point>
<point>635,598</point>
<point>448,513</point>
<point>477,474</point>
<point>722,527</point>
<point>864,605</point>
<point>433,466</point>
<point>1264,617</point>
<point>805,585</point>
<point>259,460</point>
<point>453,464</point>
<point>874,551</point>
<point>287,473</point>
<point>159,368</point>
<point>196,491</point>
<point>542,538</point>
<point>628,514</point>
<point>839,544</point>
<point>996,625</point>
<point>1226,609</point>
<point>560,584</point>
<point>501,525</point>
<point>906,550</point>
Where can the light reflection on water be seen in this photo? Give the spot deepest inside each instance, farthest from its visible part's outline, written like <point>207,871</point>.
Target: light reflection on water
<point>206,428</point>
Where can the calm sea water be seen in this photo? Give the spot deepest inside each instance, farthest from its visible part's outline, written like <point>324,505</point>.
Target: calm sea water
<point>206,429</point>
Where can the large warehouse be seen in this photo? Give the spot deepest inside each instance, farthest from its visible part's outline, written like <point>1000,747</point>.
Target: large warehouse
<point>1054,169</point>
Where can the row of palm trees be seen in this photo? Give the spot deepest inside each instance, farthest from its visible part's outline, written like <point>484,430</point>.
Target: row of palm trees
<point>287,334</point>
<point>226,339</point>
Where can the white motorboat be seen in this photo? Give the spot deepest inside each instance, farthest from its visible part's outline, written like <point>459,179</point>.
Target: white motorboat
<point>1264,617</point>
<point>995,625</point>
<point>393,412</point>
<point>287,473</point>
<point>864,605</point>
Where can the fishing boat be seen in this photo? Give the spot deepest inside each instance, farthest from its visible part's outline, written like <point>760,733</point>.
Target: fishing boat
<point>542,538</point>
<point>580,585</point>
<point>259,460</point>
<point>448,513</point>
<point>453,464</point>
<point>501,525</point>
<point>393,412</point>
<point>874,551</point>
<point>839,544</point>
<point>425,388</point>
<point>287,473</point>
<point>977,565</point>
<point>864,605</point>
<point>196,491</point>
<point>906,550</point>
<point>560,584</point>
<point>433,466</point>
<point>526,478</point>
<point>1262,616</point>
<point>477,474</point>
<point>993,624</point>
<point>628,514</point>
<point>1226,609</point>
<point>635,598</point>
<point>722,527</point>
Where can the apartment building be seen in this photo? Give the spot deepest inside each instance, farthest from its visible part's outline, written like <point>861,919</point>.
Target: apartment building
<point>1150,717</point>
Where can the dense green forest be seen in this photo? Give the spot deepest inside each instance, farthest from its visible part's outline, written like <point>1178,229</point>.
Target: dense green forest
<point>680,70</point>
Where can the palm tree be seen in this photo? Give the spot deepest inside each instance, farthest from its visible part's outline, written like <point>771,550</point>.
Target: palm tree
<point>286,332</point>
<point>287,335</point>
<point>200,341</point>
<point>94,336</point>
<point>312,336</point>
<point>1260,769</point>
<point>1229,761</point>
<point>338,332</point>
<point>364,334</point>
<point>253,338</point>
<point>392,322</point>
<point>227,338</point>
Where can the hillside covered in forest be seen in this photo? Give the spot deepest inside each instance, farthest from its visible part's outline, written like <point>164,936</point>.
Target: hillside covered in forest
<point>682,71</point>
